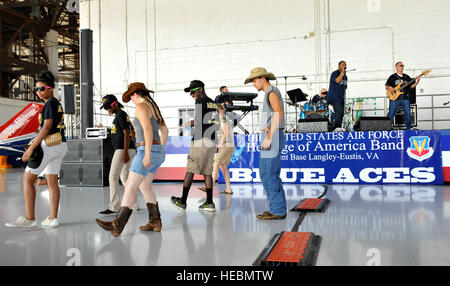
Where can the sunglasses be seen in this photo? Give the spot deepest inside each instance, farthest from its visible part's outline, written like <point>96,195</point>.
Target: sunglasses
<point>41,88</point>
<point>194,90</point>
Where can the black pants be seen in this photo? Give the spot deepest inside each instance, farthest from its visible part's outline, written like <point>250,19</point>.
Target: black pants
<point>338,113</point>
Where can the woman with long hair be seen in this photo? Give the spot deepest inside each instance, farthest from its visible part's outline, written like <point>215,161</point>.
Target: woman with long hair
<point>46,152</point>
<point>148,122</point>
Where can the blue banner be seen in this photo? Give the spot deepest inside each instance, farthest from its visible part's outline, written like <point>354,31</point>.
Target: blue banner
<point>366,157</point>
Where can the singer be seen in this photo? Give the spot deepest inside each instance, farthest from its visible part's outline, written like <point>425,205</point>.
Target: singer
<point>336,93</point>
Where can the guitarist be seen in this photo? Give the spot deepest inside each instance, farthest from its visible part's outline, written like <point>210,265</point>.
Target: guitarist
<point>403,99</point>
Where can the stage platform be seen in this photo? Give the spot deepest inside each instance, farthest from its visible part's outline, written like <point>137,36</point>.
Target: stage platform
<point>364,225</point>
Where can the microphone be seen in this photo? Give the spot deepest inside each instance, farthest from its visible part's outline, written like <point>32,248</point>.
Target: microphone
<point>350,70</point>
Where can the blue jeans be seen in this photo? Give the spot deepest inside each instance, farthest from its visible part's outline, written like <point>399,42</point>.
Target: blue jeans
<point>269,170</point>
<point>393,106</point>
<point>338,108</point>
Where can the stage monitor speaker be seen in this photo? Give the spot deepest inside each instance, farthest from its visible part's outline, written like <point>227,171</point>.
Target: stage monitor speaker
<point>399,118</point>
<point>68,99</point>
<point>373,123</point>
<point>313,125</point>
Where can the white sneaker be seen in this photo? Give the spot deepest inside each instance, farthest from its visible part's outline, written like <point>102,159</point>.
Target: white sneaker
<point>22,222</point>
<point>50,222</point>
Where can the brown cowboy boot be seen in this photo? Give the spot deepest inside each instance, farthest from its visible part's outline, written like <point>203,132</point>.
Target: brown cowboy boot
<point>154,219</point>
<point>121,220</point>
<point>106,225</point>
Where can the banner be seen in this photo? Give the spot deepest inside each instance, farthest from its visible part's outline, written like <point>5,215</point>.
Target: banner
<point>366,157</point>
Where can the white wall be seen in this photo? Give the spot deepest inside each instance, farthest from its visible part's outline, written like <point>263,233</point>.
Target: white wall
<point>165,44</point>
<point>9,108</point>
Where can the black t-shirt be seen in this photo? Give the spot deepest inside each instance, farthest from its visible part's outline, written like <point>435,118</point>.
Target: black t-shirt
<point>205,118</point>
<point>395,79</point>
<point>317,98</point>
<point>53,110</point>
<point>121,121</point>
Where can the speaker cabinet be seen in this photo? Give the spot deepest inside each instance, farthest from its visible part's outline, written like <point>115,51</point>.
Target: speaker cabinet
<point>89,150</point>
<point>87,163</point>
<point>68,99</point>
<point>373,123</point>
<point>313,125</point>
<point>86,175</point>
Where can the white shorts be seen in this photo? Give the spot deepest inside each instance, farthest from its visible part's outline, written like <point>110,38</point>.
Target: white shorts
<point>51,162</point>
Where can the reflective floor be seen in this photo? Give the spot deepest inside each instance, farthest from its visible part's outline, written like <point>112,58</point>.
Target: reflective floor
<point>364,225</point>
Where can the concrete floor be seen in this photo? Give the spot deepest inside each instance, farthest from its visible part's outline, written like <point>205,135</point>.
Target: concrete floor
<point>364,225</point>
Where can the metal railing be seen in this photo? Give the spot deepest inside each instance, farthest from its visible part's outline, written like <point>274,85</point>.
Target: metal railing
<point>251,121</point>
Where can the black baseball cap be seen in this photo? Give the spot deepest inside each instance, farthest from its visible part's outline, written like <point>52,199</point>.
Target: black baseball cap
<point>108,100</point>
<point>36,157</point>
<point>194,84</point>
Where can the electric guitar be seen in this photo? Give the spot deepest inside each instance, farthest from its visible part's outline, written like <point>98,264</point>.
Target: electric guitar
<point>393,95</point>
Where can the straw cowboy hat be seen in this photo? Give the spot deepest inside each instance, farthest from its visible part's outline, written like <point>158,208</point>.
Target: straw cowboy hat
<point>132,88</point>
<point>259,72</point>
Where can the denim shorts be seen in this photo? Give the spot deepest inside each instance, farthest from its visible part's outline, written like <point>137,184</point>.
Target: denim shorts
<point>156,160</point>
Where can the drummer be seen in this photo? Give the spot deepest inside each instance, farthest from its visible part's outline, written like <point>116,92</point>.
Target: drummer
<point>320,98</point>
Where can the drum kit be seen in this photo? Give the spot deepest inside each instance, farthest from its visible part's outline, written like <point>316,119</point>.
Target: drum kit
<point>310,110</point>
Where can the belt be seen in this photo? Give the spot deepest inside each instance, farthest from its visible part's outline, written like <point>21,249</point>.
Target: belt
<point>139,144</point>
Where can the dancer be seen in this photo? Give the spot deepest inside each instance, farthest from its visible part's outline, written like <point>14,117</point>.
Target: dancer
<point>201,153</point>
<point>51,144</point>
<point>272,125</point>
<point>225,140</point>
<point>124,151</point>
<point>149,157</point>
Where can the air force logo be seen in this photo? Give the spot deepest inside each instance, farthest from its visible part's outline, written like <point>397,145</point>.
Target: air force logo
<point>420,148</point>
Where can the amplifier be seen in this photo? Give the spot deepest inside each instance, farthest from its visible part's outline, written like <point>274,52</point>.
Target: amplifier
<point>399,117</point>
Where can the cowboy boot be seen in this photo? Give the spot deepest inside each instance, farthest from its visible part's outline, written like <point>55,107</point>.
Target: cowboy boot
<point>154,219</point>
<point>106,225</point>
<point>121,220</point>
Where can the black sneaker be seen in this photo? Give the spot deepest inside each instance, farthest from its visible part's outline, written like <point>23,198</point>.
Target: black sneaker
<point>207,207</point>
<point>177,202</point>
<point>107,212</point>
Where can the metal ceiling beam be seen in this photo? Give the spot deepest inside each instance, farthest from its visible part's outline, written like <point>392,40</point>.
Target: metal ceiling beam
<point>29,67</point>
<point>29,3</point>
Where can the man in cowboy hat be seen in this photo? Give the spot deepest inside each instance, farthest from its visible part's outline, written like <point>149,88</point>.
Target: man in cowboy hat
<point>203,147</point>
<point>272,125</point>
<point>124,151</point>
